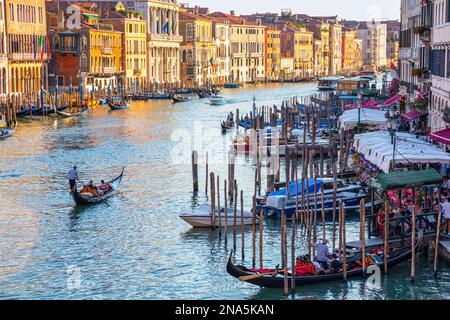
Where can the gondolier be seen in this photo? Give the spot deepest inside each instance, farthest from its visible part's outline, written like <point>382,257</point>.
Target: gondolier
<point>72,176</point>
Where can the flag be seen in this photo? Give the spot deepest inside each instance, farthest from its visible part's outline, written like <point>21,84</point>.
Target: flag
<point>34,47</point>
<point>420,96</point>
<point>42,48</point>
<point>48,48</point>
<point>394,73</point>
<point>173,26</point>
<point>165,26</point>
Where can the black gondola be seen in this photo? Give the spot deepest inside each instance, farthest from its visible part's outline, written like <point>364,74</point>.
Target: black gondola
<point>203,94</point>
<point>226,126</point>
<point>6,132</point>
<point>118,106</point>
<point>87,199</point>
<point>177,99</point>
<point>277,281</point>
<point>72,114</point>
<point>25,112</point>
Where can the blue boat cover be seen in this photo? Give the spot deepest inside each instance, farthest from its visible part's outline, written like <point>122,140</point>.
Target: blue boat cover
<point>309,188</point>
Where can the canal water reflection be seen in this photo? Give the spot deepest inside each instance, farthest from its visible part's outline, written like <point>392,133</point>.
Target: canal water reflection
<point>135,246</point>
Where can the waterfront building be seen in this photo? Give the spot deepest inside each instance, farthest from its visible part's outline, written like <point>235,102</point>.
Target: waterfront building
<point>90,53</point>
<point>439,10</point>
<point>247,41</point>
<point>286,67</point>
<point>317,68</point>
<point>392,41</point>
<point>163,41</point>
<point>3,54</point>
<point>198,50</point>
<point>335,48</point>
<point>273,52</point>
<point>409,50</point>
<point>27,45</point>
<point>321,32</point>
<point>351,51</point>
<point>297,42</point>
<point>134,42</point>
<point>221,36</point>
<point>373,35</point>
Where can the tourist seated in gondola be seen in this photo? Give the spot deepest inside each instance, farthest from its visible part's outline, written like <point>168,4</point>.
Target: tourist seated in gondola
<point>90,188</point>
<point>104,187</point>
<point>304,266</point>
<point>335,264</point>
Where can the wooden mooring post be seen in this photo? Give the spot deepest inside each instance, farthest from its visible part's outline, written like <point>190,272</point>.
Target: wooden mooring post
<point>195,170</point>
<point>413,244</point>
<point>225,231</point>
<point>213,202</point>
<point>206,170</point>
<point>218,207</point>
<point>242,226</point>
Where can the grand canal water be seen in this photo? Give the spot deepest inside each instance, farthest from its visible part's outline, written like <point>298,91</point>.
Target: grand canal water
<point>136,246</point>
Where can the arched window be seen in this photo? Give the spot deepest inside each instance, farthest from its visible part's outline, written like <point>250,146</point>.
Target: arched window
<point>56,42</point>
<point>83,63</point>
<point>83,43</point>
<point>189,56</point>
<point>183,58</point>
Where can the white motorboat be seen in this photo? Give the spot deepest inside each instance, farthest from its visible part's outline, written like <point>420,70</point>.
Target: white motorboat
<point>201,217</point>
<point>216,100</point>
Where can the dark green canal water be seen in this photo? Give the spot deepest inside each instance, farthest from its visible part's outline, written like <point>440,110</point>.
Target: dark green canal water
<point>136,246</point>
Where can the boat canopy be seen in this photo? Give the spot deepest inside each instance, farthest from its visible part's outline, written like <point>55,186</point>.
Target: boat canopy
<point>309,188</point>
<point>408,179</point>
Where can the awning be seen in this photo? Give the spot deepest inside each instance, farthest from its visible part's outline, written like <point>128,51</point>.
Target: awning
<point>412,115</point>
<point>408,179</point>
<point>393,100</point>
<point>376,148</point>
<point>350,118</point>
<point>442,136</point>
<point>371,104</point>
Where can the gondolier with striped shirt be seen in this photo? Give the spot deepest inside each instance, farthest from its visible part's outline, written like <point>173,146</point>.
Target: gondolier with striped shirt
<point>72,176</point>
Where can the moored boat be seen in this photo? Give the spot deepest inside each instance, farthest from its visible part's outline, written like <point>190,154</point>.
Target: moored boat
<point>178,98</point>
<point>328,83</point>
<point>159,96</point>
<point>118,105</point>
<point>216,100</point>
<point>7,132</point>
<point>46,110</point>
<point>88,198</point>
<point>231,85</point>
<point>274,278</point>
<point>24,112</point>
<point>67,114</point>
<point>201,217</point>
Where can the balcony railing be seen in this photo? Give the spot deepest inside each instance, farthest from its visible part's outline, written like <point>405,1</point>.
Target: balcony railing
<point>107,51</point>
<point>165,37</point>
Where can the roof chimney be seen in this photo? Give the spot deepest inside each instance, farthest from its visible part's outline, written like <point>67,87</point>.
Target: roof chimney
<point>232,12</point>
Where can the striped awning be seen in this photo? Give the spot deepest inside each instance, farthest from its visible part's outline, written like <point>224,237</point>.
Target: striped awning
<point>412,115</point>
<point>393,100</point>
<point>442,136</point>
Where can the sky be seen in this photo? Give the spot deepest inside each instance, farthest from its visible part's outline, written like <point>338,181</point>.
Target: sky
<point>345,9</point>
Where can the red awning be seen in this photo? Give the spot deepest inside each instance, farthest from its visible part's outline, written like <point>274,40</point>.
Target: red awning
<point>412,115</point>
<point>442,136</point>
<point>371,104</point>
<point>393,100</point>
<point>350,106</point>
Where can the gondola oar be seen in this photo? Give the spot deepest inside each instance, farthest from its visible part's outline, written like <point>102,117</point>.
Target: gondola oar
<point>261,275</point>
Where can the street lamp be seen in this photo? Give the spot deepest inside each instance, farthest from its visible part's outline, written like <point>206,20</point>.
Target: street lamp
<point>359,112</point>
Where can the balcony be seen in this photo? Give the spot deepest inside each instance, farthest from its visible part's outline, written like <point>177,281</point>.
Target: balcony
<point>137,72</point>
<point>164,37</point>
<point>408,53</point>
<point>107,51</point>
<point>109,70</point>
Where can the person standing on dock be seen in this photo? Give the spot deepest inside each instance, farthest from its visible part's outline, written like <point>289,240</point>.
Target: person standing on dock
<point>446,214</point>
<point>72,176</point>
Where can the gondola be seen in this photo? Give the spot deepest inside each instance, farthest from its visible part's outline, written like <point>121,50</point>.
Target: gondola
<point>162,96</point>
<point>25,112</point>
<point>177,99</point>
<point>116,106</point>
<point>72,114</point>
<point>225,126</point>
<point>46,110</point>
<point>203,94</point>
<point>275,278</point>
<point>87,199</point>
<point>6,133</point>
